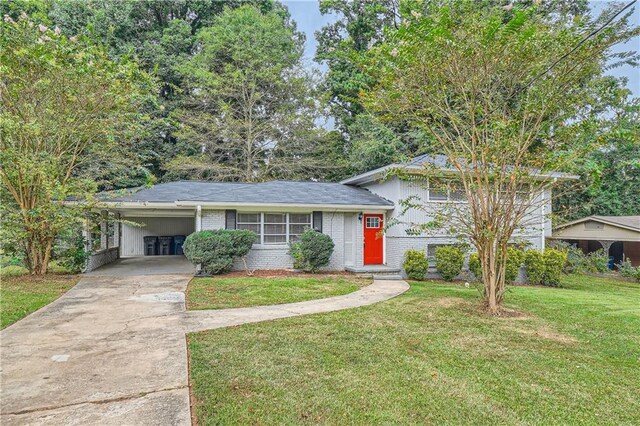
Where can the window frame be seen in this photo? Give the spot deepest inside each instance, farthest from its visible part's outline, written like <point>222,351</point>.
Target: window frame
<point>448,192</point>
<point>260,240</point>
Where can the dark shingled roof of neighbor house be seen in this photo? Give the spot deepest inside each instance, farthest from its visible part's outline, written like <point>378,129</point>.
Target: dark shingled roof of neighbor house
<point>274,192</point>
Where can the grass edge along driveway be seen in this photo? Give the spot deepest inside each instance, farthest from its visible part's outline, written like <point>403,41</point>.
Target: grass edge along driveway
<point>432,356</point>
<point>22,295</point>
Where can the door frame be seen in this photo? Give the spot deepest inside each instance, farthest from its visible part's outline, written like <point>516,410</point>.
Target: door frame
<point>384,236</point>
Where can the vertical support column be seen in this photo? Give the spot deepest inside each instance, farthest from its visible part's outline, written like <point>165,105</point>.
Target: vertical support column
<point>606,245</point>
<point>116,230</point>
<point>86,233</point>
<point>104,229</point>
<point>198,218</point>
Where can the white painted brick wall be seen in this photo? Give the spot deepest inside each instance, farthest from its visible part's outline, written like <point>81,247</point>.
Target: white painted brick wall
<point>277,257</point>
<point>213,219</point>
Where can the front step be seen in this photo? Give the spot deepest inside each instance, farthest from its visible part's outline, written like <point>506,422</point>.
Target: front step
<point>387,277</point>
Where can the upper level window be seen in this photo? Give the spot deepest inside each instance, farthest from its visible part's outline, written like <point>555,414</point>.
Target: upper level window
<point>274,228</point>
<point>446,191</point>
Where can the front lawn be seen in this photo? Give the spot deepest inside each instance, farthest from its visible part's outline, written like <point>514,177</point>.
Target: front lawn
<point>430,356</point>
<point>242,291</point>
<point>19,296</point>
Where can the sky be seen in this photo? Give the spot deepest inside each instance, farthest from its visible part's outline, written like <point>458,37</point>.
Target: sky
<point>307,15</point>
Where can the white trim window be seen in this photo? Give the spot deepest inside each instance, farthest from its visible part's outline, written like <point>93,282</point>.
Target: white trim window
<point>274,228</point>
<point>250,222</point>
<point>443,191</point>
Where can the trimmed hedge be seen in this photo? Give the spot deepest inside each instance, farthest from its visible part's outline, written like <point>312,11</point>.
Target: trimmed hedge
<point>312,252</point>
<point>215,250</point>
<point>554,264</point>
<point>415,264</point>
<point>547,268</point>
<point>515,257</point>
<point>449,261</point>
<point>475,267</point>
<point>534,262</point>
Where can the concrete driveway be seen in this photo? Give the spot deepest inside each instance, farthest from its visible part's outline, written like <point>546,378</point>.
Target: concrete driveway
<point>112,350</point>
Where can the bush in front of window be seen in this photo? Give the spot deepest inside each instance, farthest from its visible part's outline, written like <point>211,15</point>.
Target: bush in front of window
<point>416,264</point>
<point>515,257</point>
<point>534,263</point>
<point>215,250</point>
<point>554,263</point>
<point>312,251</point>
<point>475,266</point>
<point>449,261</point>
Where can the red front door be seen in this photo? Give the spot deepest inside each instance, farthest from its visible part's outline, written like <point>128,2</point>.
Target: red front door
<point>373,239</point>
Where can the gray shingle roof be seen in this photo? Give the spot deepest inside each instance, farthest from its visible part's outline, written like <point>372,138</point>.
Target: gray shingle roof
<point>274,192</point>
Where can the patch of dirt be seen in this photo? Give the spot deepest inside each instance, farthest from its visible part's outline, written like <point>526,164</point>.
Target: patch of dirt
<point>512,313</point>
<point>35,279</point>
<point>545,333</point>
<point>447,302</point>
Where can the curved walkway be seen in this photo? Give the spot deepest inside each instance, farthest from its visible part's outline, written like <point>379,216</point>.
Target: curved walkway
<point>112,350</point>
<point>218,318</point>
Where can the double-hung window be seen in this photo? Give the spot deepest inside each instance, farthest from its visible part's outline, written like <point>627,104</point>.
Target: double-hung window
<point>274,228</point>
<point>250,222</point>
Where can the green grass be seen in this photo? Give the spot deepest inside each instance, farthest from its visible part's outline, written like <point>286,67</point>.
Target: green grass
<point>242,291</point>
<point>431,356</point>
<point>19,296</point>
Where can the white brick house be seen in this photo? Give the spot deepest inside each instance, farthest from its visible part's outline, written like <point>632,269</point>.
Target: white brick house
<point>353,213</point>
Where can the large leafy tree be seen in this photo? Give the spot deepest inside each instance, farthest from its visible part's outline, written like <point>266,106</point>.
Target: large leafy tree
<point>610,175</point>
<point>492,87</point>
<point>162,36</point>
<point>250,112</point>
<point>360,26</point>
<point>65,108</point>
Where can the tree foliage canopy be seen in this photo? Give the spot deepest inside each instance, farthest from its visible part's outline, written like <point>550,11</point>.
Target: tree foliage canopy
<point>251,110</point>
<point>492,89</point>
<point>65,108</point>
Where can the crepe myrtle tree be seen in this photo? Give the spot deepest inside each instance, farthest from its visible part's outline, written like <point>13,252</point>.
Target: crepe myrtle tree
<point>64,105</point>
<point>492,87</point>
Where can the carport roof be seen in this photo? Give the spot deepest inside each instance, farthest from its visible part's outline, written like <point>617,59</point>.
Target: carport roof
<point>273,192</point>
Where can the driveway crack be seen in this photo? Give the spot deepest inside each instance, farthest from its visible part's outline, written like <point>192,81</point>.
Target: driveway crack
<point>97,402</point>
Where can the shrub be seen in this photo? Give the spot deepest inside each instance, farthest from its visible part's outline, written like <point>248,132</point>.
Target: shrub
<point>598,261</point>
<point>70,254</point>
<point>312,251</point>
<point>515,257</point>
<point>628,271</point>
<point>13,271</point>
<point>534,262</point>
<point>449,261</point>
<point>475,267</point>
<point>554,264</point>
<point>415,264</point>
<point>215,250</point>
<point>577,262</point>
<point>56,267</point>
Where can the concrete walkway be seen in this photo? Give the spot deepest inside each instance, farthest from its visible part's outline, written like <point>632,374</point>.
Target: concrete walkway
<point>112,350</point>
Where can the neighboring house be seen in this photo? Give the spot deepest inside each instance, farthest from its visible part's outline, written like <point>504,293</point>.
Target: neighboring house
<point>619,236</point>
<point>353,213</point>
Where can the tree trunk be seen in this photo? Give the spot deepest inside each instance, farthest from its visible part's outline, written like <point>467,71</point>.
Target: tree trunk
<point>38,252</point>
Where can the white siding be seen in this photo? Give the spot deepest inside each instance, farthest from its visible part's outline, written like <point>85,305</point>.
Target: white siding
<point>132,236</point>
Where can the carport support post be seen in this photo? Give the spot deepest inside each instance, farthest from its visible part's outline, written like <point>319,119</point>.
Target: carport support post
<point>88,241</point>
<point>198,229</point>
<point>606,245</point>
<point>104,229</point>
